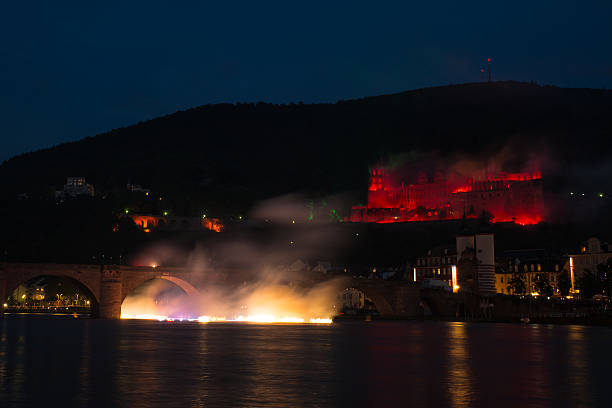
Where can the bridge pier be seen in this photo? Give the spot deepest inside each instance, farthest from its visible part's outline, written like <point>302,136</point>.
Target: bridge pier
<point>110,295</point>
<point>3,296</point>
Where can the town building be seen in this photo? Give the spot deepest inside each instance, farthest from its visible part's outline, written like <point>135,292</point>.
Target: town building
<point>592,253</point>
<point>438,263</point>
<point>469,264</point>
<point>528,264</point>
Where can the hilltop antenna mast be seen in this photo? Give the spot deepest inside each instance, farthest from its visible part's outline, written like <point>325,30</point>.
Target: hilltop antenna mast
<point>489,68</point>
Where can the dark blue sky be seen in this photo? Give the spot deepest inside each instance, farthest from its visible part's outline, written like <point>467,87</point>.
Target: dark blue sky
<point>68,71</point>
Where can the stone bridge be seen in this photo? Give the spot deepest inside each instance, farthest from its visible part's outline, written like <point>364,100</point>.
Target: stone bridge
<point>108,285</point>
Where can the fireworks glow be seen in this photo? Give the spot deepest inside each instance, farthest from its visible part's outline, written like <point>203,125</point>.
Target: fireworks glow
<point>216,319</point>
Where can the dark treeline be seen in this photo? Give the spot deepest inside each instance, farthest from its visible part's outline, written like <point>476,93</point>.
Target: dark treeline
<point>226,157</point>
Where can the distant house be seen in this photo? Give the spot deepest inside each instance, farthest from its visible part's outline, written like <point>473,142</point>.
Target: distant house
<point>382,273</point>
<point>326,267</point>
<point>75,187</point>
<point>322,267</point>
<point>135,188</point>
<point>298,266</point>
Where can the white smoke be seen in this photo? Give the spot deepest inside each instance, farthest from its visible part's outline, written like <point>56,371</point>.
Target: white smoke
<point>248,277</point>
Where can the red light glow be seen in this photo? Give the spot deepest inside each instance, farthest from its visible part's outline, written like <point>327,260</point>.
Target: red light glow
<point>507,197</point>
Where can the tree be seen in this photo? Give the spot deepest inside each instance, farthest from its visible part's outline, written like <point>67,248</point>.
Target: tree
<point>542,285</point>
<point>517,286</point>
<point>589,284</point>
<point>604,275</point>
<point>564,283</point>
<point>600,282</point>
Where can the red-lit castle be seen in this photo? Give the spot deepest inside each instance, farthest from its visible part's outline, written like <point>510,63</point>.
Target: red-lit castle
<point>508,197</point>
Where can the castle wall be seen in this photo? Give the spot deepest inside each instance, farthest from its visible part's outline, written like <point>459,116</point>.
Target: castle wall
<point>514,197</point>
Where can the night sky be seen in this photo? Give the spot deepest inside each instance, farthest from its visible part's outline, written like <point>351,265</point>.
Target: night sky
<point>68,71</point>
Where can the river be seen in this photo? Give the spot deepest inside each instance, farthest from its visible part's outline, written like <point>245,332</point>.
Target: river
<point>48,361</point>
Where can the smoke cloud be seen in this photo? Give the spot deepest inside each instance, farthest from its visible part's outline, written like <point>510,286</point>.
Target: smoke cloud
<point>249,275</point>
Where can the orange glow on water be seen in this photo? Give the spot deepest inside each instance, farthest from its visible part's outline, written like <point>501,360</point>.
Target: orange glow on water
<point>263,318</point>
<point>264,301</point>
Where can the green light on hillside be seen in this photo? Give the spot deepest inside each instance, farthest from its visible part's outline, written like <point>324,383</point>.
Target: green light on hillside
<point>165,213</point>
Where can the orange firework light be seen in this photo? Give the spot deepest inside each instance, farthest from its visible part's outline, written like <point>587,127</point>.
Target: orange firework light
<point>507,197</point>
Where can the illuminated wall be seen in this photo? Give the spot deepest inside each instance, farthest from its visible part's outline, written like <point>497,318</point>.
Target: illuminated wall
<point>508,197</point>
<point>148,223</point>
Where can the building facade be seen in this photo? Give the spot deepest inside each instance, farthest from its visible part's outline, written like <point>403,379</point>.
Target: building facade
<point>439,263</point>
<point>528,264</point>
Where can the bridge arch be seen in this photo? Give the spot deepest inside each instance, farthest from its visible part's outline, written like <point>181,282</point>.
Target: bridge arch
<point>382,304</point>
<point>82,278</point>
<point>134,303</point>
<point>379,301</point>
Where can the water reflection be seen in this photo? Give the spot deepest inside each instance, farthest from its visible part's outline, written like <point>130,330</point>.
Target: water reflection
<point>459,376</point>
<point>536,375</point>
<point>148,364</point>
<point>578,372</point>
<point>83,391</point>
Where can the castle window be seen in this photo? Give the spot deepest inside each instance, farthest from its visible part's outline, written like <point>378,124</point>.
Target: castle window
<point>539,268</point>
<point>532,268</point>
<point>556,268</point>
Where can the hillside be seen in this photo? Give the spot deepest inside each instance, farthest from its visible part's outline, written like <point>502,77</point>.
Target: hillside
<point>225,157</point>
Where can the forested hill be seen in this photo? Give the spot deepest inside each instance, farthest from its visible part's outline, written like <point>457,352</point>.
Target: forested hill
<point>233,154</point>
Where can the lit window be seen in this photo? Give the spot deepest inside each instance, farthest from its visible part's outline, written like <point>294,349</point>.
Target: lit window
<point>539,268</point>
